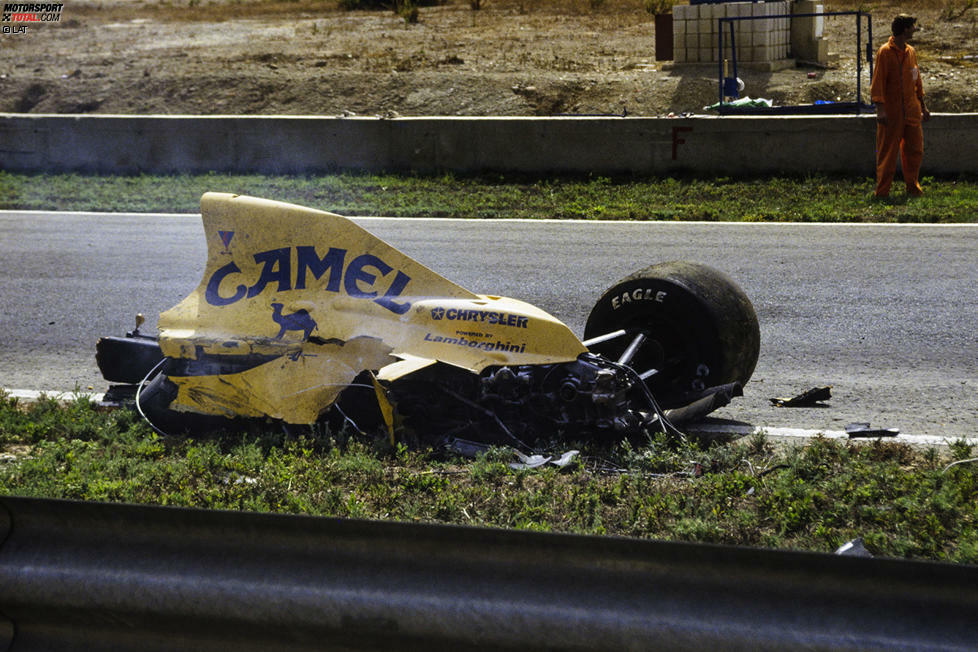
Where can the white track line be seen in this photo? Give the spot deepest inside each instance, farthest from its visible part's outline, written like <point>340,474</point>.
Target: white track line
<point>472,220</point>
<point>31,395</point>
<point>805,433</point>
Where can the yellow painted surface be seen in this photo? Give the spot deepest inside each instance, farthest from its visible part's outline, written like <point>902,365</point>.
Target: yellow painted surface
<point>295,388</point>
<point>386,407</point>
<point>330,300</point>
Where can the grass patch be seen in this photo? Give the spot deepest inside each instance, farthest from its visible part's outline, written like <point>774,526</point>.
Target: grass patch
<point>810,199</point>
<point>904,502</point>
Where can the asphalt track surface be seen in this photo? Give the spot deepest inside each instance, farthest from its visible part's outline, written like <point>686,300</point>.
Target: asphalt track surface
<point>885,314</point>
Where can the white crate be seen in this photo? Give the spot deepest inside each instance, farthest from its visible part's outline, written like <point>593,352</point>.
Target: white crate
<point>739,8</point>
<point>682,12</point>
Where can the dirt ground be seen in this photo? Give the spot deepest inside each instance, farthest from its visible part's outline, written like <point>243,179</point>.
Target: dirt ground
<point>511,57</point>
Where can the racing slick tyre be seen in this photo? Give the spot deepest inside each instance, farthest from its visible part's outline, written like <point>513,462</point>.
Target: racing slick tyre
<point>690,323</point>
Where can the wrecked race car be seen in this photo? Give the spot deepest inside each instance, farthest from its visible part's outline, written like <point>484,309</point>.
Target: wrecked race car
<point>302,317</point>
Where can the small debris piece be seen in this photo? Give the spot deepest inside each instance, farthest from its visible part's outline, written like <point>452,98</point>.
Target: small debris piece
<point>536,461</point>
<point>854,548</point>
<point>466,448</point>
<point>773,469</point>
<point>473,449</point>
<point>969,461</point>
<point>865,430</point>
<point>809,398</point>
<point>565,459</point>
<point>529,461</point>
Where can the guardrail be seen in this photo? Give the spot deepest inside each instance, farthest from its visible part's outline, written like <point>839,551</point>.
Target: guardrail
<point>97,576</point>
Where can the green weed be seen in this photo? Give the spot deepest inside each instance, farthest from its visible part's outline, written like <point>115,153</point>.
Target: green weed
<point>902,501</point>
<point>810,199</point>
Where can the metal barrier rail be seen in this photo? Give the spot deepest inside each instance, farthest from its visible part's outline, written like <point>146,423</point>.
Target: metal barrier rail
<point>92,576</point>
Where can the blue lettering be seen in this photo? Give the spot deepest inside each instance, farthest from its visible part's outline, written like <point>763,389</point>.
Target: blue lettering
<point>307,259</point>
<point>458,314</point>
<point>355,274</point>
<point>489,345</point>
<point>276,268</point>
<point>358,279</point>
<point>400,282</point>
<point>213,294</point>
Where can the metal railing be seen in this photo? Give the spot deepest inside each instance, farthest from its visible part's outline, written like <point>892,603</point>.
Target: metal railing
<point>858,105</point>
<point>91,576</point>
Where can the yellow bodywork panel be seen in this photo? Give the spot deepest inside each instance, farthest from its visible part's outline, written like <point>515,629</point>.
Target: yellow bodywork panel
<point>295,302</point>
<point>294,388</point>
<point>387,410</point>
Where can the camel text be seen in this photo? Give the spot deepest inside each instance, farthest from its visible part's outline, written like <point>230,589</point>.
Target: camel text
<point>360,278</point>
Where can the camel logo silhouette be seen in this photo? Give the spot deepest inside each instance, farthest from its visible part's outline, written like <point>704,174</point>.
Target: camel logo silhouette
<point>297,321</point>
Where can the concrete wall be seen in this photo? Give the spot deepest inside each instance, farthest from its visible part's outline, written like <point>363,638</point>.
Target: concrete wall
<point>731,146</point>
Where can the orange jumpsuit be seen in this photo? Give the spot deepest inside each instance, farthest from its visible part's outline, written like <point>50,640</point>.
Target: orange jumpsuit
<point>896,83</point>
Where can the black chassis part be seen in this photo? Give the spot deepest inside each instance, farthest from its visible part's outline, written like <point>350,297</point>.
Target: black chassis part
<point>127,359</point>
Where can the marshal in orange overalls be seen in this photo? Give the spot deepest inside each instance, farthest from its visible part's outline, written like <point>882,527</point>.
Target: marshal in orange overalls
<point>896,85</point>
